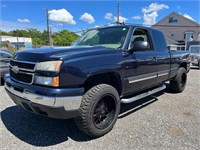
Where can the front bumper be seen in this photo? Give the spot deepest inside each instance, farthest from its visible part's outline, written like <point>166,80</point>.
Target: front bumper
<point>61,107</point>
<point>194,63</point>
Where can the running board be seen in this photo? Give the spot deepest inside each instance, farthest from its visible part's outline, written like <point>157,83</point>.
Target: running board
<point>135,98</point>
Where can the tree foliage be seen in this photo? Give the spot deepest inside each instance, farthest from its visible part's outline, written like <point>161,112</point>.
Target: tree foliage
<point>4,44</point>
<point>40,38</point>
<point>64,38</point>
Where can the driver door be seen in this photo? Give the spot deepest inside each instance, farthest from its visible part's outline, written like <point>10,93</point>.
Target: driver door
<point>141,65</point>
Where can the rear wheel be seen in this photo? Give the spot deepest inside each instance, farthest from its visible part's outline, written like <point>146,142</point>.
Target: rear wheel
<point>99,110</point>
<point>179,82</point>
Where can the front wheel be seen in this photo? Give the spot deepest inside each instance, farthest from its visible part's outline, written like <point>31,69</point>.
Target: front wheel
<point>99,110</point>
<point>179,82</point>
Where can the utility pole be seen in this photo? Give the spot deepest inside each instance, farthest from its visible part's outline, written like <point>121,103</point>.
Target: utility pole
<point>118,11</point>
<point>47,16</point>
<point>50,37</point>
<point>17,40</point>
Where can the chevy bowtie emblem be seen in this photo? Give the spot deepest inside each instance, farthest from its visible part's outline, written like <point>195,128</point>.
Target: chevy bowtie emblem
<point>15,69</point>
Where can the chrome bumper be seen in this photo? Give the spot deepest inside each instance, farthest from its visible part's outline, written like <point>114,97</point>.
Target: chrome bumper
<point>195,61</point>
<point>69,103</point>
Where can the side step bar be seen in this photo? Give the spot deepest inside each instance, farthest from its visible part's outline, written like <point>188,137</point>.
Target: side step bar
<point>140,96</point>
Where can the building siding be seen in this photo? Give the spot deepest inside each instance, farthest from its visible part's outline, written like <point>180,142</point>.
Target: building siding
<point>176,30</point>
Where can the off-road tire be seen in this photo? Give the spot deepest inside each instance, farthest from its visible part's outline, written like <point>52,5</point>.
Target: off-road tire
<point>178,83</point>
<point>91,101</point>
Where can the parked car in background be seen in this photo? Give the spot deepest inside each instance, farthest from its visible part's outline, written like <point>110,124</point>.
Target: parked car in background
<point>4,63</point>
<point>195,55</point>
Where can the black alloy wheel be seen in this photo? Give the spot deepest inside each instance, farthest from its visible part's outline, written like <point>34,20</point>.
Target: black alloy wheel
<point>104,112</point>
<point>99,110</point>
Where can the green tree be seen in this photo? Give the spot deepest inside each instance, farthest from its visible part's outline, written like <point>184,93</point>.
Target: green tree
<point>64,38</point>
<point>4,44</point>
<point>61,38</point>
<point>36,36</point>
<point>34,33</point>
<point>19,33</point>
<point>4,33</point>
<point>44,37</point>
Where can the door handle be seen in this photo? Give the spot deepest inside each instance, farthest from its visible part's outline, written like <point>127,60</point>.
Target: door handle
<point>154,58</point>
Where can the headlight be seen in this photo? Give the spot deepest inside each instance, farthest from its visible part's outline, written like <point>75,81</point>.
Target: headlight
<point>49,81</point>
<point>49,66</point>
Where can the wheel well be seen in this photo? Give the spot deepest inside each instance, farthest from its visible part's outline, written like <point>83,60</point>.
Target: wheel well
<point>184,65</point>
<point>112,79</point>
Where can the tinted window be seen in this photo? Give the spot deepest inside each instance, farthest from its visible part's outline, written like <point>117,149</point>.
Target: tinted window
<point>159,40</point>
<point>112,37</point>
<point>5,55</point>
<point>141,35</point>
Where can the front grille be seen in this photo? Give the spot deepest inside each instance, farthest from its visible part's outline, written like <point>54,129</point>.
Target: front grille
<point>24,65</point>
<point>24,72</point>
<point>21,77</point>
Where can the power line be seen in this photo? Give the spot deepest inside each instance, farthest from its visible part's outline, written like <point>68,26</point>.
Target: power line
<point>170,26</point>
<point>154,25</point>
<point>43,20</point>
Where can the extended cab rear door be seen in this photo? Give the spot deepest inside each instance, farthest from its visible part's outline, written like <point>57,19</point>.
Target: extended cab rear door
<point>141,65</point>
<point>162,56</point>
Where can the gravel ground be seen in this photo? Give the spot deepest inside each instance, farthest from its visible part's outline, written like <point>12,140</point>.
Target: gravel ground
<point>165,121</point>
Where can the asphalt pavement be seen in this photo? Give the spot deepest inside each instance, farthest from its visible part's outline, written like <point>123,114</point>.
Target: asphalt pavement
<point>164,121</point>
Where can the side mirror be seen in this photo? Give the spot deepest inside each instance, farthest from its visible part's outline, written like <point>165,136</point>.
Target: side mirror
<point>140,46</point>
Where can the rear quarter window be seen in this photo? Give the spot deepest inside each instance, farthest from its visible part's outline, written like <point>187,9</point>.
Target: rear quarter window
<point>159,41</point>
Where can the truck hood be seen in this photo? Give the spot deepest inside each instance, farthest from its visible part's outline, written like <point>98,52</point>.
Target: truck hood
<point>61,53</point>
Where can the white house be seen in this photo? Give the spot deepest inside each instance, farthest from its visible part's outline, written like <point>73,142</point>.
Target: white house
<point>179,28</point>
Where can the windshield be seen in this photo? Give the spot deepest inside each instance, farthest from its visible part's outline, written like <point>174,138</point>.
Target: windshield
<point>195,49</point>
<point>112,37</point>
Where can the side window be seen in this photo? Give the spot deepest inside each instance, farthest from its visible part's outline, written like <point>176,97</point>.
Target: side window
<point>5,55</point>
<point>141,35</point>
<point>94,40</point>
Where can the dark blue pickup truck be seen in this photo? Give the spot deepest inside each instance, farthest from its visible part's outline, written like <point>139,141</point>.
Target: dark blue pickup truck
<point>90,79</point>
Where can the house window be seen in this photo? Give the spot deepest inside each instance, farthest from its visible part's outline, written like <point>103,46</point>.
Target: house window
<point>188,35</point>
<point>173,20</point>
